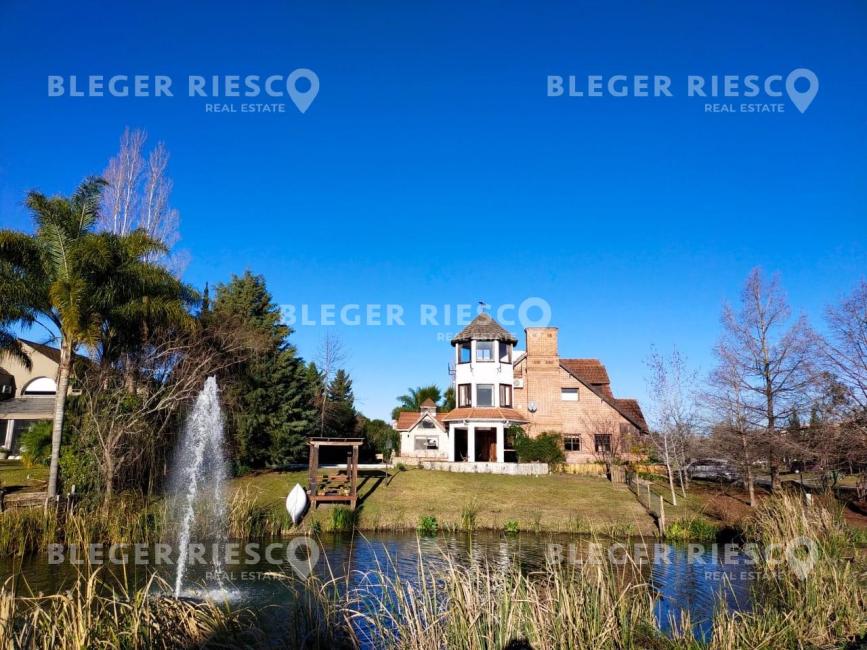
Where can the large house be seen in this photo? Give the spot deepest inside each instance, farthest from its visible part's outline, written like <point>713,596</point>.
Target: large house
<point>26,395</point>
<point>497,387</point>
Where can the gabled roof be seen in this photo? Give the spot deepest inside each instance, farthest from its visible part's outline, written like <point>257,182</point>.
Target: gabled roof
<point>409,419</point>
<point>633,409</point>
<point>593,374</point>
<point>44,350</point>
<point>484,328</point>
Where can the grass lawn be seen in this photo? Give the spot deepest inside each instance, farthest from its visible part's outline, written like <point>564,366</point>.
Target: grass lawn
<point>557,503</point>
<point>14,475</point>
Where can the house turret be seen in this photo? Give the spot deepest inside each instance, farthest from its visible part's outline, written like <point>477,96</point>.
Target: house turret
<point>484,375</point>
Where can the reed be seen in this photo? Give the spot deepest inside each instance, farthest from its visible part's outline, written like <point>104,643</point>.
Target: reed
<point>100,611</point>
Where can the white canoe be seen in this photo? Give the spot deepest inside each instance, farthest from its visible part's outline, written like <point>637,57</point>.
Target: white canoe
<point>296,503</point>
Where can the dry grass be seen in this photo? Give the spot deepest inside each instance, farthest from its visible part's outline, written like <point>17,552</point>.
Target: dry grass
<point>475,607</point>
<point>98,611</point>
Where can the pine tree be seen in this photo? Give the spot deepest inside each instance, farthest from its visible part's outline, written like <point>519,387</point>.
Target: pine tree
<point>341,419</point>
<point>269,399</point>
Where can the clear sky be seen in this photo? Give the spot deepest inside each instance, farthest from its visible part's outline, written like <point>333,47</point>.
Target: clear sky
<point>433,168</point>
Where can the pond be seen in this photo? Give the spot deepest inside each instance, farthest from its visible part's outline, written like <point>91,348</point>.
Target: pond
<point>693,578</point>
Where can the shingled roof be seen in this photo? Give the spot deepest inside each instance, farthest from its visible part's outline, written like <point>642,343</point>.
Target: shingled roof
<point>632,411</point>
<point>591,372</point>
<point>484,328</point>
<point>408,419</point>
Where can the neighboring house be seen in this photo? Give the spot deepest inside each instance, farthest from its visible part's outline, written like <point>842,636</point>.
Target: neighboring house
<point>26,396</point>
<point>423,433</point>
<point>497,387</point>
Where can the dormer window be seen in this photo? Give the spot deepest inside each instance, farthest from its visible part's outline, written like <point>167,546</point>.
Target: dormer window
<point>465,352</point>
<point>484,350</point>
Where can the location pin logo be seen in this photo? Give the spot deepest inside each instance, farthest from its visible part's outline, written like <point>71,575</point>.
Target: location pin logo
<point>802,100</point>
<point>302,100</point>
<point>302,566</point>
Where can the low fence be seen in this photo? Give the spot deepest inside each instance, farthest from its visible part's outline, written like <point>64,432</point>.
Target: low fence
<point>519,469</point>
<point>584,469</point>
<point>652,502</point>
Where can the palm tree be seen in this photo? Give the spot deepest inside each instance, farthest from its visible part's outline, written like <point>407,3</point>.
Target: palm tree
<point>412,401</point>
<point>77,283</point>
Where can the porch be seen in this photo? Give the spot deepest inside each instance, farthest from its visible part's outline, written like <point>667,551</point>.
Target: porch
<point>480,442</point>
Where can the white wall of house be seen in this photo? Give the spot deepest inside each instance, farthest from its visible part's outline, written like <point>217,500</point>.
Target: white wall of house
<point>485,373</point>
<point>415,442</point>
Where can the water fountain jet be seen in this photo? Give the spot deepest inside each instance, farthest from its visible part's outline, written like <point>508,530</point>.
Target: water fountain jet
<point>197,481</point>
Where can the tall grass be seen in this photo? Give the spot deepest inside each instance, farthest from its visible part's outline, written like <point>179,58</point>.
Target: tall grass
<point>445,604</point>
<point>603,606</point>
<point>126,519</point>
<point>480,607</point>
<point>820,604</point>
<point>99,611</point>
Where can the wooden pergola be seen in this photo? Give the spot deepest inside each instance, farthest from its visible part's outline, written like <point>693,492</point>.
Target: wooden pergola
<point>334,488</point>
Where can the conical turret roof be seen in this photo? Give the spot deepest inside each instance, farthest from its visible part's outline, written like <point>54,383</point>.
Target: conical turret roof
<point>484,328</point>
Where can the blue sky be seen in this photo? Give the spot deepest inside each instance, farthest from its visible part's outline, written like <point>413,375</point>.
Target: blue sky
<point>433,168</point>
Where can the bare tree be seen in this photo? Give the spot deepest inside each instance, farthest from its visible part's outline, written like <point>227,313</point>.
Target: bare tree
<point>770,363</point>
<point>732,435</point>
<point>329,359</point>
<point>611,444</point>
<point>138,195</point>
<point>131,433</point>
<point>673,389</point>
<point>844,356</point>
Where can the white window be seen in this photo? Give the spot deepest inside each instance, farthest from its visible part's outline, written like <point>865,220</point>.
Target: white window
<point>41,386</point>
<point>464,396</point>
<point>569,394</point>
<point>422,443</point>
<point>484,350</point>
<point>465,353</point>
<point>485,395</point>
<point>505,352</point>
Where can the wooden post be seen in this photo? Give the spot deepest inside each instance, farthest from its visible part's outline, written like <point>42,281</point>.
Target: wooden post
<point>649,504</point>
<point>661,516</point>
<point>313,467</point>
<point>354,482</point>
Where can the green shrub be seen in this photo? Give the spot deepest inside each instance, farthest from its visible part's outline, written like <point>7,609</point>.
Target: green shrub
<point>511,527</point>
<point>547,447</point>
<point>342,519</point>
<point>36,444</point>
<point>400,467</point>
<point>427,525</point>
<point>692,530</point>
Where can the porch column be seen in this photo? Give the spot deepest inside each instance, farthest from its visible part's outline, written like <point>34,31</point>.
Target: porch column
<point>10,426</point>
<point>471,443</point>
<point>451,441</point>
<point>501,443</point>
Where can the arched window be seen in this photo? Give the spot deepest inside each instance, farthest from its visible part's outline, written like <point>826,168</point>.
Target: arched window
<point>41,386</point>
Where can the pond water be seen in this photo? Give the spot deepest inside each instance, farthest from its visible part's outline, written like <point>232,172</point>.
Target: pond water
<point>692,578</point>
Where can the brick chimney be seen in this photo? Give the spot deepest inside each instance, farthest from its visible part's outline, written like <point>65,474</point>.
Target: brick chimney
<point>542,377</point>
<point>541,342</point>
